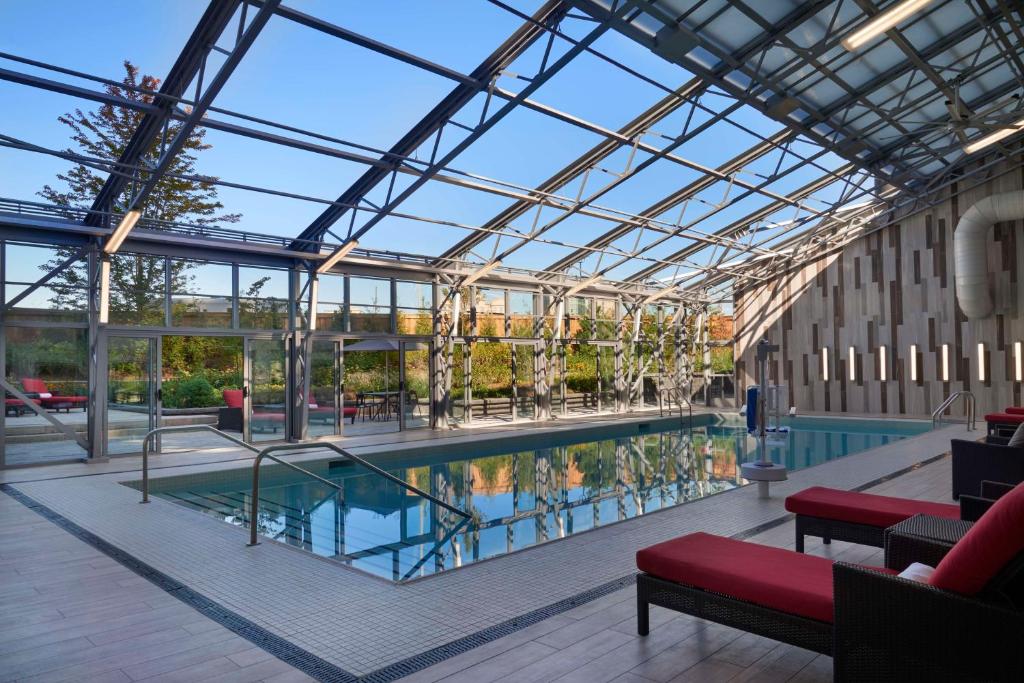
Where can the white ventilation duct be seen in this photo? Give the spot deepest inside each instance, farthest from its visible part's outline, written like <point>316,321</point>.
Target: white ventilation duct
<point>970,249</point>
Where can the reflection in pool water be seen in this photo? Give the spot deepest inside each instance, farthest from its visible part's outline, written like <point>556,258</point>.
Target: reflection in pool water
<point>516,499</point>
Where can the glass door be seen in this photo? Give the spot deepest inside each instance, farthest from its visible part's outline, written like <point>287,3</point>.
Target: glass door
<point>132,392</point>
<point>606,375</point>
<point>415,385</point>
<point>327,411</point>
<point>266,389</point>
<point>525,381</point>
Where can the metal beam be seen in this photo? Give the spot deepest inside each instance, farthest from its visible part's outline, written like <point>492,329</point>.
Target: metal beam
<point>189,63</point>
<point>431,124</point>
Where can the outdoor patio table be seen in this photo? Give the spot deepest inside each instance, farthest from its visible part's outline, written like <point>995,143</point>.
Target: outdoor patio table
<point>922,538</point>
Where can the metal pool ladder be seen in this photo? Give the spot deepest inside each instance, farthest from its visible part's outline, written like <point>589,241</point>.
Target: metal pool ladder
<point>180,428</point>
<point>971,409</point>
<point>267,453</point>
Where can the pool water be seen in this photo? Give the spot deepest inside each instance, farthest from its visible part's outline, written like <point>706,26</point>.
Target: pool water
<point>517,494</point>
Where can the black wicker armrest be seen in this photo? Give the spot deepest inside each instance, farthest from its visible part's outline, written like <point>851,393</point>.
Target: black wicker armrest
<point>997,440</point>
<point>893,629</point>
<point>994,490</point>
<point>973,507</point>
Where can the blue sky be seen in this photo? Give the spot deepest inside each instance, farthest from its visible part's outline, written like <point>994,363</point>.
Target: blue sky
<point>300,77</point>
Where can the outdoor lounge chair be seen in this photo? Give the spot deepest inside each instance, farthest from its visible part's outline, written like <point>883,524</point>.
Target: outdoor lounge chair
<point>965,623</point>
<point>857,517</point>
<point>15,407</point>
<point>975,461</point>
<point>51,401</point>
<point>1003,424</point>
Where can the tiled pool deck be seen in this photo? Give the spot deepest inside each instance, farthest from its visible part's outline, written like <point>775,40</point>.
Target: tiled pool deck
<point>364,625</point>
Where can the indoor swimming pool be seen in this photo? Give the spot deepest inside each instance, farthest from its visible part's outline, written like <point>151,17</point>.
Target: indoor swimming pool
<point>517,494</point>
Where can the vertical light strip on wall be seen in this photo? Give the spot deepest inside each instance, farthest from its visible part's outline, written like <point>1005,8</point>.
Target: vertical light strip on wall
<point>1018,362</point>
<point>981,361</point>
<point>824,363</point>
<point>881,363</point>
<point>945,362</point>
<point>853,364</point>
<point>913,362</point>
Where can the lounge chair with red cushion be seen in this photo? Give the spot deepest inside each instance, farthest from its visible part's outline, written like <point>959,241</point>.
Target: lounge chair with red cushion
<point>1003,424</point>
<point>856,517</point>
<point>15,407</point>
<point>49,400</point>
<point>1014,410</point>
<point>965,623</point>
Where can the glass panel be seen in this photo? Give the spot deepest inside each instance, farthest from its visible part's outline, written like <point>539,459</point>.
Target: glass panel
<point>526,394</point>
<point>604,316</point>
<point>324,378</point>
<point>607,368</point>
<point>51,361</point>
<point>416,401</point>
<point>490,312</point>
<point>371,384</point>
<point>556,363</point>
<point>520,314</point>
<point>196,372</point>
<point>138,289</point>
<point>200,294</point>
<point>457,401</point>
<point>577,316</point>
<point>131,392</point>
<point>581,378</point>
<point>369,304</point>
<point>492,380</point>
<point>415,303</point>
<point>263,298</point>
<point>268,390</point>
<point>64,299</point>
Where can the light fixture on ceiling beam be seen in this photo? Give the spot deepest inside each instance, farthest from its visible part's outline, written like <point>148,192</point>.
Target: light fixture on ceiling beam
<point>483,270</point>
<point>340,253</point>
<point>117,237</point>
<point>993,138</point>
<point>580,286</point>
<point>882,22</point>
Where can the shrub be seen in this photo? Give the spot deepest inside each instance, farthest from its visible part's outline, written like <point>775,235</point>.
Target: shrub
<point>191,392</point>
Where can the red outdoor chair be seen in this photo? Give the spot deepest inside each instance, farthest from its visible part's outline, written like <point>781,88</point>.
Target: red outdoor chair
<point>51,401</point>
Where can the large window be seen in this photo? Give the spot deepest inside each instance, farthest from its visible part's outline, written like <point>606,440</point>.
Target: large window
<point>369,304</point>
<point>490,312</point>
<point>521,314</point>
<point>263,295</point>
<point>201,294</point>
<point>414,301</point>
<point>605,318</point>
<point>50,366</point>
<point>138,288</point>
<point>63,299</point>
<point>330,306</point>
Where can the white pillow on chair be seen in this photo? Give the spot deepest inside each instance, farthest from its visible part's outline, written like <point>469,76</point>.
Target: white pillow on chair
<point>1017,440</point>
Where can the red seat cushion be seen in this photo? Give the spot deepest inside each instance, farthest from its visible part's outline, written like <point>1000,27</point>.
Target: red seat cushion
<point>991,543</point>
<point>771,577</point>
<point>65,399</point>
<point>863,508</point>
<point>232,398</point>
<point>1014,410</point>
<point>19,402</point>
<point>268,417</point>
<point>347,412</point>
<point>1004,418</point>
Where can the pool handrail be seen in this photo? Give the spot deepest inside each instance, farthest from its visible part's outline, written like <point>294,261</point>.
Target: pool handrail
<point>312,445</point>
<point>180,428</point>
<point>972,410</point>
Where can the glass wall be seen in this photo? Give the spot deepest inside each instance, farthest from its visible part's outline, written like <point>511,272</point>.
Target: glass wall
<point>414,302</point>
<point>201,294</point>
<point>580,379</point>
<point>490,312</point>
<point>263,296</point>
<point>526,395</point>
<point>491,380</point>
<point>49,366</point>
<point>457,398</point>
<point>369,307</point>
<point>64,299</point>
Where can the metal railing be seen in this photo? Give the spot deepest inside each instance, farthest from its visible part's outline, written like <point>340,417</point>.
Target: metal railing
<point>971,409</point>
<point>266,453</point>
<point>179,428</point>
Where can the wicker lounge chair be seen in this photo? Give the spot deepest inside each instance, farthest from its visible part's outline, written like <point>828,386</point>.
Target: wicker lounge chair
<point>966,623</point>
<point>992,460</point>
<point>855,517</point>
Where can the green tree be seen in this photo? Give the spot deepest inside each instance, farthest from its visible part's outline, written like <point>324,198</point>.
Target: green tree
<point>137,282</point>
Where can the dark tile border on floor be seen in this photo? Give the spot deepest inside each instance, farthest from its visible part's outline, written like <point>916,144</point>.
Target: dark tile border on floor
<point>322,670</point>
<point>286,651</point>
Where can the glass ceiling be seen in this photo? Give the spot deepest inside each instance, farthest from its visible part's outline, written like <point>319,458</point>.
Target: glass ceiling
<point>585,137</point>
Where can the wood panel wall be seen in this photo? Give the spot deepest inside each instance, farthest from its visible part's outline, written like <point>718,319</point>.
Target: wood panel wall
<point>894,287</point>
